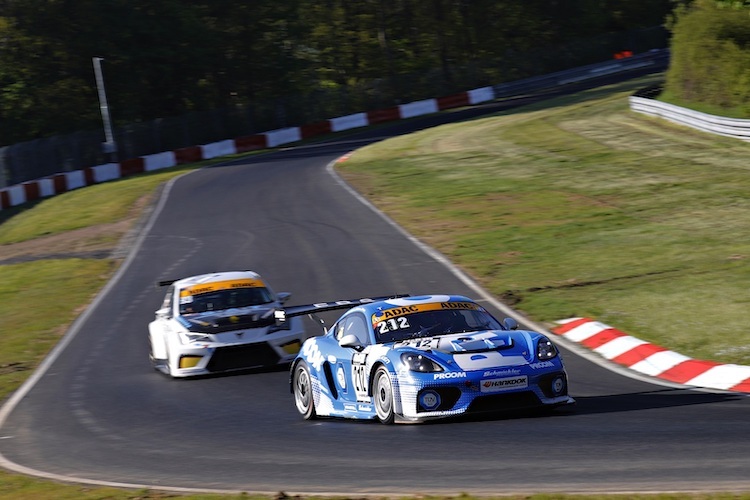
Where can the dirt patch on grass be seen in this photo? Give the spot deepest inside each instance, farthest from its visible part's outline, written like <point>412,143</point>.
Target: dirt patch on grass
<point>97,242</point>
<point>102,241</point>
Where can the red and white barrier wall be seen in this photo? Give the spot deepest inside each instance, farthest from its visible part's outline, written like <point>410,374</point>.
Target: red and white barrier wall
<point>67,181</point>
<point>653,360</point>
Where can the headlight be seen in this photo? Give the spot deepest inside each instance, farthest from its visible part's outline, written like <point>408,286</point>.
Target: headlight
<point>189,337</point>
<point>545,349</point>
<point>419,363</point>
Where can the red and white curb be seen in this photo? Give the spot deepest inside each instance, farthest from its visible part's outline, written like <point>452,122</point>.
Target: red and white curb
<point>67,181</point>
<point>653,360</point>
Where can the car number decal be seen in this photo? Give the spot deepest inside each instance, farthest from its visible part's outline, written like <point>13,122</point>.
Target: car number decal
<point>359,376</point>
<point>392,324</point>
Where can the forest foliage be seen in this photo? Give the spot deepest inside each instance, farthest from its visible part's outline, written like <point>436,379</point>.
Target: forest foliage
<point>710,55</point>
<point>165,58</point>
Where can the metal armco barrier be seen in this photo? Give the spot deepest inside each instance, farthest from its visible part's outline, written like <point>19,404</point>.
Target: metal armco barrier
<point>730,127</point>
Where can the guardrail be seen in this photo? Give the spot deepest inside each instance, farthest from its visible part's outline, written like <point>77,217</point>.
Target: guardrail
<point>656,59</point>
<point>730,127</point>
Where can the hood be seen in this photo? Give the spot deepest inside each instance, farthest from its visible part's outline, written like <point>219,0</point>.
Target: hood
<point>229,319</point>
<point>477,350</point>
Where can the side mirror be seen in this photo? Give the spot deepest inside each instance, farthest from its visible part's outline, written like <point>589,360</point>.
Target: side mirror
<point>352,342</point>
<point>510,324</point>
<point>279,317</point>
<point>283,296</point>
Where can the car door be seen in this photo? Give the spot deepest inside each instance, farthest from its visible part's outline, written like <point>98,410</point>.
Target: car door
<point>349,369</point>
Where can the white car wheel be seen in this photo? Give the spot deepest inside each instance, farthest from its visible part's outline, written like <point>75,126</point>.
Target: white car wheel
<point>302,387</point>
<point>383,396</point>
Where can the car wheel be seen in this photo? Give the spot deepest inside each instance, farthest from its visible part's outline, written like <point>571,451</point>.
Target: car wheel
<point>302,388</point>
<point>383,396</point>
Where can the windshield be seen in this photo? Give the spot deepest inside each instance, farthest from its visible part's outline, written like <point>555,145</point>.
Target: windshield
<point>428,321</point>
<point>224,299</point>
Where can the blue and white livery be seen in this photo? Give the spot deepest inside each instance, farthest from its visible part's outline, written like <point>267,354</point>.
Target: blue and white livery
<point>410,359</point>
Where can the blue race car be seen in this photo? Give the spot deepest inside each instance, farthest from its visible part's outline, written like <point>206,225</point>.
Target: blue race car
<point>412,359</point>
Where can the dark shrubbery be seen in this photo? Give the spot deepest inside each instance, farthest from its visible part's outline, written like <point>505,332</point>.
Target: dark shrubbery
<point>710,60</point>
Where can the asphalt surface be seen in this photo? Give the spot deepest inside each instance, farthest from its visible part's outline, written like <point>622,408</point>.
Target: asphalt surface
<point>99,413</point>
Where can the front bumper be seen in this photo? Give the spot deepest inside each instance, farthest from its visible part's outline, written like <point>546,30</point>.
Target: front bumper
<point>423,397</point>
<point>210,358</point>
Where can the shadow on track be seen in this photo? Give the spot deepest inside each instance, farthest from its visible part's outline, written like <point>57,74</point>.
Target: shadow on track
<point>663,398</point>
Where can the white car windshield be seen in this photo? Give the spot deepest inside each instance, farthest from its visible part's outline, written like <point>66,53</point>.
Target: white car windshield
<point>224,299</point>
<point>432,323</point>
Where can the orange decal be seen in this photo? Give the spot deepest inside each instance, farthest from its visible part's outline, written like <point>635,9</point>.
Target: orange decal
<point>221,285</point>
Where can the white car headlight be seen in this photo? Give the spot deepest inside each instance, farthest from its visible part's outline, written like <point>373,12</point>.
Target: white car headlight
<point>418,363</point>
<point>545,349</point>
<point>190,337</point>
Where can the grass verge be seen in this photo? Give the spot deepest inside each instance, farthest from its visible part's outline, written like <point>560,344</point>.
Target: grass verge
<point>580,207</point>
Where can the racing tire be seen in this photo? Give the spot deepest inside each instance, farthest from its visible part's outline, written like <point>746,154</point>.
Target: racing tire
<point>382,391</point>
<point>303,394</point>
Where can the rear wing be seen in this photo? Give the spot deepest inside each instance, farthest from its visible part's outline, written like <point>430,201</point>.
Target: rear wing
<point>281,315</point>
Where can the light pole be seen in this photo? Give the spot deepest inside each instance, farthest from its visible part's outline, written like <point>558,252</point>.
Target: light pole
<point>109,146</point>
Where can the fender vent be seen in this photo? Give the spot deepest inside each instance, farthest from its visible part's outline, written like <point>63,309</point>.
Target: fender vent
<point>329,380</point>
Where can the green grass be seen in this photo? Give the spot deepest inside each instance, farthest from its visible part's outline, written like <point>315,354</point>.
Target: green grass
<point>580,207</point>
<point>98,204</point>
<point>37,300</point>
<point>571,207</point>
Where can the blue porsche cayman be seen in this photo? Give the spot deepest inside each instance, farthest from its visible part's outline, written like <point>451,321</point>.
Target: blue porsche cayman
<point>408,359</point>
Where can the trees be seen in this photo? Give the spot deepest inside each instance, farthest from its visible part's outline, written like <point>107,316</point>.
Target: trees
<point>711,55</point>
<point>170,57</point>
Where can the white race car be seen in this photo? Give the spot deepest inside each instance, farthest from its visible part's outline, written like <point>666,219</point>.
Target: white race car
<point>221,322</point>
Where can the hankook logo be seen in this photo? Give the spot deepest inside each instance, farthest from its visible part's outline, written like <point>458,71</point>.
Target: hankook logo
<point>504,384</point>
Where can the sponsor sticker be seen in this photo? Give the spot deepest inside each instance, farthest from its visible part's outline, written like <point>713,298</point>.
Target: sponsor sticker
<point>501,373</point>
<point>312,354</point>
<point>448,375</point>
<point>542,364</point>
<point>504,384</point>
<point>220,285</point>
<point>404,310</point>
<point>430,400</point>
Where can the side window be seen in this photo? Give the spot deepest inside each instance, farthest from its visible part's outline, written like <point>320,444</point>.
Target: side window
<point>340,329</point>
<point>356,325</point>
